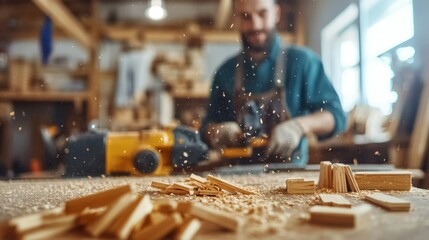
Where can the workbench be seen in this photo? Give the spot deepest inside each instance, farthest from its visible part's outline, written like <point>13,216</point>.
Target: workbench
<point>271,215</point>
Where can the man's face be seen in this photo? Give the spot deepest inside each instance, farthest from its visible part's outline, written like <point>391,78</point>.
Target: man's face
<point>256,20</point>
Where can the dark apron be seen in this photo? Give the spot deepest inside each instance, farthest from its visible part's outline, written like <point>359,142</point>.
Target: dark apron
<point>271,105</point>
<point>271,108</point>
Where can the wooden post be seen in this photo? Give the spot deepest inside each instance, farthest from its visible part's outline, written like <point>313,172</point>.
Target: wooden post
<point>93,90</point>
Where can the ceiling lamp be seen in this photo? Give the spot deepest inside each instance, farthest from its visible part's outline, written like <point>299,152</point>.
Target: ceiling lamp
<point>156,10</point>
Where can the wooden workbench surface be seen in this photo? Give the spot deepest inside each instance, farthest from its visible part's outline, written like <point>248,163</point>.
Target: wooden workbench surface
<point>272,215</point>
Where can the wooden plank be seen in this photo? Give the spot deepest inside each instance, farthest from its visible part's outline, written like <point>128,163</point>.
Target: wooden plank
<point>228,186</point>
<point>159,185</point>
<point>325,175</point>
<point>340,217</point>
<point>211,215</point>
<point>199,179</point>
<point>62,17</point>
<point>106,219</point>
<point>339,183</point>
<point>354,187</point>
<point>139,209</point>
<point>96,200</point>
<point>419,138</point>
<point>385,181</point>
<point>389,202</point>
<point>27,222</point>
<point>299,186</point>
<point>166,206</point>
<point>334,200</point>
<point>161,229</point>
<point>47,231</point>
<point>188,230</point>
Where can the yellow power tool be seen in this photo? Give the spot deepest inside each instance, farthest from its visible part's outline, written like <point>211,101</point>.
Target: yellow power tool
<point>148,152</point>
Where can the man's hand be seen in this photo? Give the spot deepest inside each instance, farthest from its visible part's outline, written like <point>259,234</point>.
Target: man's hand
<point>284,139</point>
<point>225,134</point>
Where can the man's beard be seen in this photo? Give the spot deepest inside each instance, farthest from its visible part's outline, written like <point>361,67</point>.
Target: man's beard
<point>264,47</point>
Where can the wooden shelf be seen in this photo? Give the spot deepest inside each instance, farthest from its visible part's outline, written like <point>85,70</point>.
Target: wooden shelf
<point>51,96</point>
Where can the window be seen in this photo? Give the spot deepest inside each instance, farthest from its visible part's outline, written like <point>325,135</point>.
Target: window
<point>357,47</point>
<point>385,24</point>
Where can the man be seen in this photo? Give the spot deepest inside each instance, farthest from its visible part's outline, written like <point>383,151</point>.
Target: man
<point>288,85</point>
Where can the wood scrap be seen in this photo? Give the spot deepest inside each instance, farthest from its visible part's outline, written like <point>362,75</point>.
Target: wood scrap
<point>385,181</point>
<point>228,186</point>
<point>351,181</point>
<point>339,181</point>
<point>106,219</point>
<point>389,202</point>
<point>341,217</point>
<point>137,210</point>
<point>197,185</point>
<point>188,230</point>
<point>334,200</point>
<point>159,185</point>
<point>97,200</point>
<point>128,216</point>
<point>338,177</point>
<point>214,216</point>
<point>325,175</point>
<point>47,231</point>
<point>299,186</point>
<point>161,229</point>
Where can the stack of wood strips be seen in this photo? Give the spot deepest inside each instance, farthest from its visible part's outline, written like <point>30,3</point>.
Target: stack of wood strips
<point>385,181</point>
<point>338,177</point>
<point>325,175</point>
<point>389,202</point>
<point>338,216</point>
<point>334,200</point>
<point>197,185</point>
<point>118,213</point>
<point>299,186</point>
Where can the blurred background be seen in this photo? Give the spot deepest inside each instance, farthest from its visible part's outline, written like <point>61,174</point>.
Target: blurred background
<point>122,65</point>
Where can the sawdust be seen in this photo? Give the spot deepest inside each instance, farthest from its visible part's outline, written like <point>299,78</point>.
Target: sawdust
<point>272,212</point>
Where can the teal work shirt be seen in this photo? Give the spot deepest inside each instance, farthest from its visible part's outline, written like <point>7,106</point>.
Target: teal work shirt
<point>307,89</point>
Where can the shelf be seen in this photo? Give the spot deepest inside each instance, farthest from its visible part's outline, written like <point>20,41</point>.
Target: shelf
<point>50,96</point>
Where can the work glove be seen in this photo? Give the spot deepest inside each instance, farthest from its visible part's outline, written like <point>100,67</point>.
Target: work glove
<point>284,139</point>
<point>225,134</point>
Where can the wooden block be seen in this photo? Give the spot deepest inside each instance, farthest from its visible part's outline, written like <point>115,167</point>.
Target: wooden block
<point>106,219</point>
<point>155,218</point>
<point>299,186</point>
<point>208,214</point>
<point>228,186</point>
<point>183,186</point>
<point>341,217</point>
<point>159,185</point>
<point>208,193</point>
<point>27,222</point>
<point>166,206</point>
<point>354,187</point>
<point>188,230</point>
<point>389,202</point>
<point>325,175</point>
<point>334,200</point>
<point>47,231</point>
<point>96,200</point>
<point>385,181</point>
<point>339,182</point>
<point>178,191</point>
<point>87,217</point>
<point>139,209</point>
<point>161,229</point>
<point>198,179</point>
